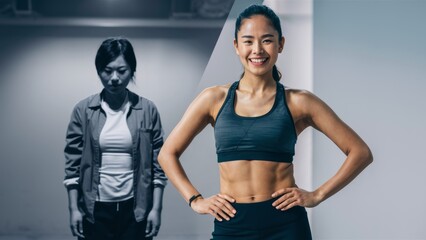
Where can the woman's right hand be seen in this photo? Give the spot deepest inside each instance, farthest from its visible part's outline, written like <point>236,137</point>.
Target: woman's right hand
<point>217,205</point>
<point>76,223</point>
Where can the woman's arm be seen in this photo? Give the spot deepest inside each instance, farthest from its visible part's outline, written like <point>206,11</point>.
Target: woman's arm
<point>76,217</point>
<point>309,110</point>
<point>73,151</point>
<point>154,216</point>
<point>198,115</point>
<point>159,178</point>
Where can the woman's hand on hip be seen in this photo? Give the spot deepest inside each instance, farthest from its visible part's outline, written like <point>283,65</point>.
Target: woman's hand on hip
<point>76,223</point>
<point>217,205</point>
<point>290,197</point>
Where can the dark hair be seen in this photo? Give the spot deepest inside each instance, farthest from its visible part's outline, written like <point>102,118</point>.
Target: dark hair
<point>271,16</point>
<point>113,47</point>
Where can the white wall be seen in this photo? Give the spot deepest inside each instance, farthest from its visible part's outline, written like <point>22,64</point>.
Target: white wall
<point>369,66</point>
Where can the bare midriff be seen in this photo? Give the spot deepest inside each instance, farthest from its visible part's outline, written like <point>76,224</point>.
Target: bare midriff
<point>249,181</point>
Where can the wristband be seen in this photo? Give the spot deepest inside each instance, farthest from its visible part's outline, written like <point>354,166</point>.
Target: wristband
<point>193,198</point>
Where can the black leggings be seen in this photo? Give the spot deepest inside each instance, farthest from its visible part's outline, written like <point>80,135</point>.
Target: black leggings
<point>261,221</point>
<point>114,221</point>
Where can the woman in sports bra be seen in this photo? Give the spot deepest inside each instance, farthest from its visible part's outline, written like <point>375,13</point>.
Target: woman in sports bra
<point>256,123</point>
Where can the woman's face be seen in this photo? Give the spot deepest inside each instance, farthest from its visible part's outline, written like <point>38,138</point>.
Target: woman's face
<point>116,75</point>
<point>258,45</point>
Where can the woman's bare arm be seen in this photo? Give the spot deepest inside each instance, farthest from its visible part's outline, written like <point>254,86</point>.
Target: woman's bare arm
<point>309,110</point>
<point>198,115</point>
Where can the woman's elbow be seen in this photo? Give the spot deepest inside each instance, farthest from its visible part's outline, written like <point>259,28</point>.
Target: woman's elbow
<point>162,157</point>
<point>367,155</point>
<point>165,155</point>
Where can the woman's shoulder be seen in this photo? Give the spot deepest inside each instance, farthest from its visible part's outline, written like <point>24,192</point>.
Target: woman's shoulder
<point>299,95</point>
<point>209,101</point>
<point>215,93</point>
<point>141,102</point>
<point>304,101</point>
<point>89,100</point>
<point>301,99</point>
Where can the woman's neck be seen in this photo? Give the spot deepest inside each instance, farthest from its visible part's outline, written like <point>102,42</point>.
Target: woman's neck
<point>114,101</point>
<point>253,83</point>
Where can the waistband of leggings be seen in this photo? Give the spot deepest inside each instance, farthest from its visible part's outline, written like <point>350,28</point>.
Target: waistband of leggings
<point>254,204</point>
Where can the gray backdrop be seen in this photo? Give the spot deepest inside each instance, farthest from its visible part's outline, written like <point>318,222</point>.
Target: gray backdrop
<point>369,63</point>
<point>369,66</point>
<point>45,71</point>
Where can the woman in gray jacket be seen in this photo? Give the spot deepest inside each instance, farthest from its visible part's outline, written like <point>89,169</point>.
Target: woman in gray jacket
<point>114,182</point>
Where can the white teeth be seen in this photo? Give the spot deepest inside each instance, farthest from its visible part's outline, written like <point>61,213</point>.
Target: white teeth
<point>258,60</point>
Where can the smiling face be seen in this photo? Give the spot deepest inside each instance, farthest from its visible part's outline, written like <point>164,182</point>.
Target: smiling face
<point>258,45</point>
<point>116,75</point>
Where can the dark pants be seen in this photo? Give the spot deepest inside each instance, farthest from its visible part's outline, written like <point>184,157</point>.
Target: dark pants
<point>114,221</point>
<point>261,221</point>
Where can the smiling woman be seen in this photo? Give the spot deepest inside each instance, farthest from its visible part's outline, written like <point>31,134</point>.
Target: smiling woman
<point>256,125</point>
<point>114,182</point>
<point>261,41</point>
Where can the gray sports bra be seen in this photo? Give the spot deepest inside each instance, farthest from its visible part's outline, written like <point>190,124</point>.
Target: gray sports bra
<point>270,137</point>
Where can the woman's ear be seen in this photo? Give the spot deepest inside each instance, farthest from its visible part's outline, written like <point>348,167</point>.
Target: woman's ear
<point>281,45</point>
<point>236,47</point>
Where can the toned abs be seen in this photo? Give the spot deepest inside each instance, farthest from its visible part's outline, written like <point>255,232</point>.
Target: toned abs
<point>254,181</point>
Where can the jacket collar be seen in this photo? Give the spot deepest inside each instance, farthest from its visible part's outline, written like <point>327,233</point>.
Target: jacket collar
<point>134,99</point>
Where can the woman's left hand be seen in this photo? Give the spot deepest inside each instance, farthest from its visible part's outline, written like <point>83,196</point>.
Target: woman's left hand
<point>153,223</point>
<point>291,197</point>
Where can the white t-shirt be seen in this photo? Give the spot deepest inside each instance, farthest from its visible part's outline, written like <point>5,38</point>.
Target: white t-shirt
<point>116,171</point>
